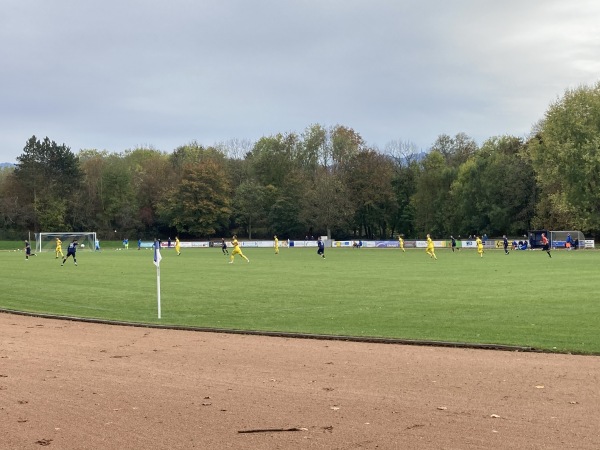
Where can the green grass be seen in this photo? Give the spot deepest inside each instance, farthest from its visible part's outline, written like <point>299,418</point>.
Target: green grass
<point>13,245</point>
<point>524,299</point>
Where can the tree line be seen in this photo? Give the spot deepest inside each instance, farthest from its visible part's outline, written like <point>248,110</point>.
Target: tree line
<point>325,180</point>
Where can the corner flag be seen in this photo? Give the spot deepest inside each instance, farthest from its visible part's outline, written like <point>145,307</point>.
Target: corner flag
<point>157,256</point>
<point>157,259</point>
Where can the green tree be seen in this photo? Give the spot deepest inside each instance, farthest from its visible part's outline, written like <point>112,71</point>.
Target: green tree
<point>368,177</point>
<point>272,158</point>
<point>314,150</point>
<point>404,187</point>
<point>92,165</point>
<point>432,203</point>
<point>326,206</point>
<point>194,153</point>
<point>15,214</point>
<point>117,196</point>
<point>152,177</point>
<point>456,150</point>
<point>494,190</point>
<point>199,205</point>
<point>565,153</point>
<point>283,206</point>
<point>49,174</point>
<point>249,205</point>
<point>345,144</point>
<point>405,155</point>
<point>431,198</point>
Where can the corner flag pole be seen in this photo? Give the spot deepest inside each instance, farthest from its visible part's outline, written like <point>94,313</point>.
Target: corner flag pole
<point>158,289</point>
<point>157,259</point>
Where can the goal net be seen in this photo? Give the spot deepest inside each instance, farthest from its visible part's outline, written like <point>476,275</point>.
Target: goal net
<point>46,242</point>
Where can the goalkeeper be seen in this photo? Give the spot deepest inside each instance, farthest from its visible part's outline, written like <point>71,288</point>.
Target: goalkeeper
<point>59,248</point>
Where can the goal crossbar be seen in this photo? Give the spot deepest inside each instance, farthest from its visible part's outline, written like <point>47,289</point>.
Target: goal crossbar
<point>47,241</point>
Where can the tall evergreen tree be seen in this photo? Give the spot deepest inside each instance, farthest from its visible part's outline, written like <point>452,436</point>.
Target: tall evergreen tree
<point>51,179</point>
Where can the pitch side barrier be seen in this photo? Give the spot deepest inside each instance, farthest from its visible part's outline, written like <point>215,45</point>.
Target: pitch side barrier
<point>463,243</point>
<point>409,244</point>
<point>283,243</point>
<point>356,244</point>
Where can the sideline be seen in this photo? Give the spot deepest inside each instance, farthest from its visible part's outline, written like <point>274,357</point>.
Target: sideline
<point>324,337</point>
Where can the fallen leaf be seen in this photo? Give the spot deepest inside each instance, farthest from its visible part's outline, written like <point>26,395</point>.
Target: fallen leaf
<point>442,408</point>
<point>495,416</point>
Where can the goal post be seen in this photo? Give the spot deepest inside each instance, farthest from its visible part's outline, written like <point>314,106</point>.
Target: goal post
<point>46,242</point>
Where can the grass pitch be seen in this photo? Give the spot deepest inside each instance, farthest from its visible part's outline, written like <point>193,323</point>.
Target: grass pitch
<point>524,298</point>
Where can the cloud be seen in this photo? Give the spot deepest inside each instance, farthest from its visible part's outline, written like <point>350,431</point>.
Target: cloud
<point>115,75</point>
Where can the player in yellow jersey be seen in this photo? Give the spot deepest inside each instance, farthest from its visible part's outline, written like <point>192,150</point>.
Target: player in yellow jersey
<point>177,245</point>
<point>401,243</point>
<point>479,246</point>
<point>236,250</point>
<point>59,248</point>
<point>276,243</point>
<point>430,248</point>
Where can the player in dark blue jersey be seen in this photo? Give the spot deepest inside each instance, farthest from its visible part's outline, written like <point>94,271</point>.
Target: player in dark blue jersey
<point>321,250</point>
<point>28,250</point>
<point>505,242</point>
<point>71,250</point>
<point>224,247</point>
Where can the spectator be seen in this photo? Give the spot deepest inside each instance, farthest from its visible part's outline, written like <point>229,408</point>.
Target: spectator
<point>569,242</point>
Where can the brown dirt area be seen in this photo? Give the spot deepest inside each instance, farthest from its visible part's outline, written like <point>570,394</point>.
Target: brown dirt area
<point>74,385</point>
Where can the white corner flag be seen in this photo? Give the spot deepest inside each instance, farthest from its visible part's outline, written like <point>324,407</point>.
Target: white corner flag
<point>157,256</point>
<point>157,259</point>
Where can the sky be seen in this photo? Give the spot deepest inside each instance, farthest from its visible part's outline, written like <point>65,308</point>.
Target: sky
<point>117,75</point>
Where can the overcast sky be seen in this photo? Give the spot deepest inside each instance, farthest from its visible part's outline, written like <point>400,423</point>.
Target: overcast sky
<point>121,74</point>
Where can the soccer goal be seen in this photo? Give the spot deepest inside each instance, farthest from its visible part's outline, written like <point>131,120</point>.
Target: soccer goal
<point>559,239</point>
<point>46,242</point>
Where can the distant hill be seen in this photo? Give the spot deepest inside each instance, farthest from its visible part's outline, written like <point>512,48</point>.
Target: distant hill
<point>3,165</point>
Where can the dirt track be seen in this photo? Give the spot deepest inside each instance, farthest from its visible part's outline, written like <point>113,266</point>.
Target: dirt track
<point>71,385</point>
